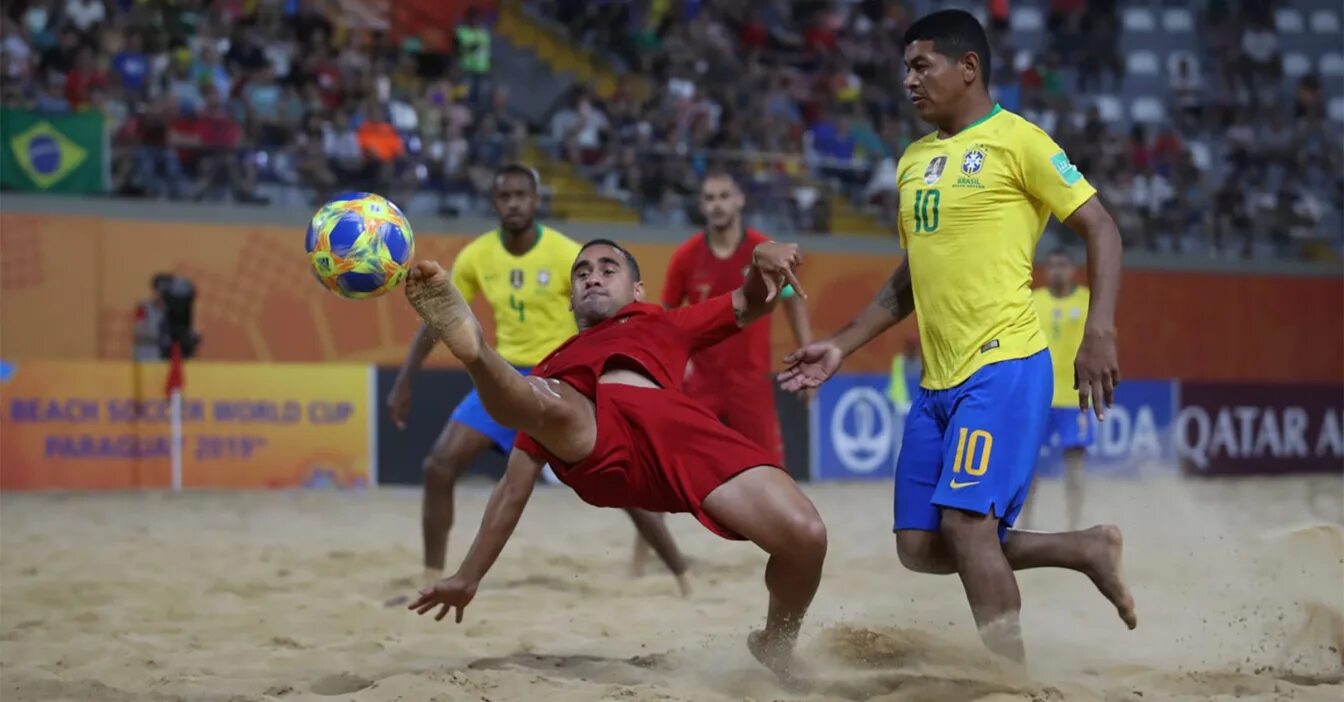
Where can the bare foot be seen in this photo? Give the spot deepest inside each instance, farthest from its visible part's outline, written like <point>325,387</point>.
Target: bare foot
<point>444,310</point>
<point>777,655</point>
<point>1105,548</point>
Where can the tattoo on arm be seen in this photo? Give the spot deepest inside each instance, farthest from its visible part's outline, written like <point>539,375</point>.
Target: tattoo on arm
<point>896,296</point>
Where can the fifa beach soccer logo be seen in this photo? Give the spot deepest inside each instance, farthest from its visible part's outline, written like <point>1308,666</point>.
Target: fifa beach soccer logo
<point>45,154</point>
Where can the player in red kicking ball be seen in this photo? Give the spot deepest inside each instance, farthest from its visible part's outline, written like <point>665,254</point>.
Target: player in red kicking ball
<point>607,411</point>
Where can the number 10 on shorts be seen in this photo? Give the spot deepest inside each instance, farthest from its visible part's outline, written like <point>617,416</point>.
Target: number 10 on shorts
<point>968,444</point>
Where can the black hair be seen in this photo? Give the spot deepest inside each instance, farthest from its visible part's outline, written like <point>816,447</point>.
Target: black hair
<point>1061,251</point>
<point>953,33</point>
<point>519,169</point>
<point>630,261</point>
<point>717,172</point>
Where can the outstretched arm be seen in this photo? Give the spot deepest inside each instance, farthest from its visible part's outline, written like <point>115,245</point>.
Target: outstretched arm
<point>501,517</point>
<point>796,310</point>
<point>811,365</point>
<point>1096,366</point>
<point>893,303</point>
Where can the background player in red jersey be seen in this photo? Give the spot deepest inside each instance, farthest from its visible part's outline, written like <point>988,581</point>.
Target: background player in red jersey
<point>606,410</point>
<point>731,378</point>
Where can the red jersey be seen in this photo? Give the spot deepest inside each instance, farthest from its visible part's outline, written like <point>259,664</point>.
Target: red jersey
<point>655,449</point>
<point>694,275</point>
<point>655,340</point>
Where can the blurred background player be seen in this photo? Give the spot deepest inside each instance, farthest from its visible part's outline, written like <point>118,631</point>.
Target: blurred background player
<point>976,196</point>
<point>731,378</point>
<point>1062,307</point>
<point>522,269</point>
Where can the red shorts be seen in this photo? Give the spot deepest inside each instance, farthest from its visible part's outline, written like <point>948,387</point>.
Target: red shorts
<point>660,451</point>
<point>747,406</point>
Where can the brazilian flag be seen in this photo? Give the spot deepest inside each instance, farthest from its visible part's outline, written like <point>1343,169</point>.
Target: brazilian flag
<point>55,153</point>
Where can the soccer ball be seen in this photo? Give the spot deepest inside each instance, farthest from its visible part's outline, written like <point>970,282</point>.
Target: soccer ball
<point>360,245</point>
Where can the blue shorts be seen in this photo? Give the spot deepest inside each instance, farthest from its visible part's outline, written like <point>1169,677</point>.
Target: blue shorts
<point>974,446</point>
<point>1071,427</point>
<point>470,412</point>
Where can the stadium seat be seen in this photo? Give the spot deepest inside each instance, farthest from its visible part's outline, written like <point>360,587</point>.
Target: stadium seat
<point>1139,19</point>
<point>1147,110</point>
<point>1288,21</point>
<point>1199,155</point>
<point>1110,109</point>
<point>1177,20</point>
<point>1022,60</point>
<point>1324,22</point>
<point>1142,63</point>
<point>1026,19</point>
<point>1336,109</point>
<point>1332,65</point>
<point>1296,65</point>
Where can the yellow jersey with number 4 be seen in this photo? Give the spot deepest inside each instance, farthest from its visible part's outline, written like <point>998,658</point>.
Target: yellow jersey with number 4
<point>1063,319</point>
<point>529,294</point>
<point>973,207</point>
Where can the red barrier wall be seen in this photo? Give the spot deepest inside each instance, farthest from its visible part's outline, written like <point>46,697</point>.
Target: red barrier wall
<point>69,285</point>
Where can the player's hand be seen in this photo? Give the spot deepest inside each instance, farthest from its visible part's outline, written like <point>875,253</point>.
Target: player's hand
<point>776,261</point>
<point>1096,371</point>
<point>810,366</point>
<point>399,404</point>
<point>455,592</point>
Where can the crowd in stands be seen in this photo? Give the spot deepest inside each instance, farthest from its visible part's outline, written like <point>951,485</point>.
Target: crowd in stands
<point>789,94</point>
<point>204,97</point>
<point>210,98</point>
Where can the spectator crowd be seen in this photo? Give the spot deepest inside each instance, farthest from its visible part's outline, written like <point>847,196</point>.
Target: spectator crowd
<point>789,94</point>
<point>208,97</point>
<point>799,97</point>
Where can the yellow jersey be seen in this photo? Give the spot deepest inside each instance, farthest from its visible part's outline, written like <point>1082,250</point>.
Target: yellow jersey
<point>529,294</point>
<point>1063,319</point>
<point>973,207</point>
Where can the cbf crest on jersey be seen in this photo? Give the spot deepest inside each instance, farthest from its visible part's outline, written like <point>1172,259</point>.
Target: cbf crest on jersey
<point>935,170</point>
<point>516,278</point>
<point>973,160</point>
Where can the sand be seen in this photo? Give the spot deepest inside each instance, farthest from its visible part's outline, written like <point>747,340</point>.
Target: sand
<point>281,596</point>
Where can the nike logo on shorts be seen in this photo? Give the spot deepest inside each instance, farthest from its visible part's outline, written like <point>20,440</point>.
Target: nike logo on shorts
<point>957,486</point>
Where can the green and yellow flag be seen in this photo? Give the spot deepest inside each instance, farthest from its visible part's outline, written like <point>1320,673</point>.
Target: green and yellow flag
<point>58,153</point>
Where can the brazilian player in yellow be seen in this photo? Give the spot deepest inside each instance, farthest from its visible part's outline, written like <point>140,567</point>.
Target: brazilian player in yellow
<point>975,196</point>
<point>1062,306</point>
<point>522,270</point>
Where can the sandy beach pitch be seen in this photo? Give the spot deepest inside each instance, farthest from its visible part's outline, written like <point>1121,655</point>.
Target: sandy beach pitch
<point>281,596</point>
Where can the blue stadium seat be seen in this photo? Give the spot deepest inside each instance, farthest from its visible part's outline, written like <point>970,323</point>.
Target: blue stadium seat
<point>1026,20</point>
<point>1110,109</point>
<point>1288,21</point>
<point>1178,20</point>
<point>1141,63</point>
<point>1332,65</point>
<point>1139,19</point>
<point>1325,22</point>
<point>1296,65</point>
<point>1147,110</point>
